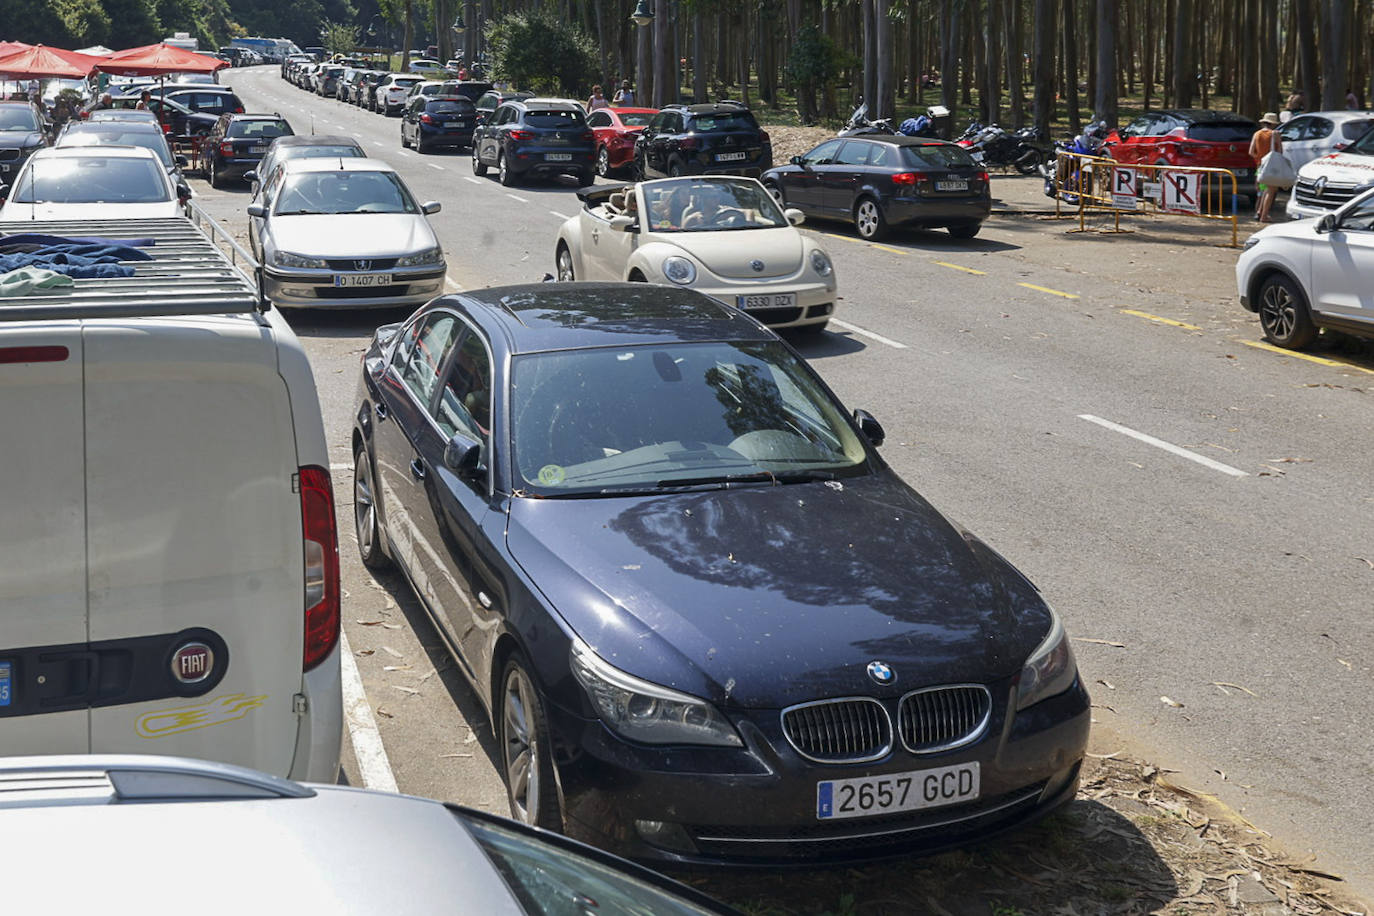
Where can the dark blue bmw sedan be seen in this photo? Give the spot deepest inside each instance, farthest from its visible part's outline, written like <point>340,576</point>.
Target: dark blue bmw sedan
<point>707,620</point>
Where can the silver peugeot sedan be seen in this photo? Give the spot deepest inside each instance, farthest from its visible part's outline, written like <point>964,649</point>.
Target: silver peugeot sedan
<point>165,833</point>
<point>344,233</point>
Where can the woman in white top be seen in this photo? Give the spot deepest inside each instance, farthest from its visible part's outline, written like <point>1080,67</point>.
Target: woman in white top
<point>597,100</point>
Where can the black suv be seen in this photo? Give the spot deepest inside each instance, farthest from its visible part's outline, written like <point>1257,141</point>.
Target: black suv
<point>536,137</point>
<point>237,143</point>
<point>493,99</point>
<point>720,138</point>
<point>22,133</point>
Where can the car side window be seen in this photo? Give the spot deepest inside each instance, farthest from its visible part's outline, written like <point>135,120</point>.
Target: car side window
<point>1294,130</point>
<point>854,152</point>
<point>1320,129</point>
<point>1359,218</point>
<point>465,404</point>
<point>1136,128</point>
<point>675,124</point>
<point>823,154</point>
<point>881,154</point>
<point>599,119</point>
<point>420,372</point>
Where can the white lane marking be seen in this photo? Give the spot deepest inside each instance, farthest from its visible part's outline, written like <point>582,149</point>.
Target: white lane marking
<point>560,215</point>
<point>517,197</point>
<point>867,333</point>
<point>373,764</point>
<point>473,180</point>
<point>433,166</point>
<point>1178,450</point>
<point>403,152</point>
<point>457,287</point>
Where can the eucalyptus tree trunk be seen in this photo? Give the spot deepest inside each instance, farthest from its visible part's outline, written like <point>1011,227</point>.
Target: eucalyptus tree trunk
<point>1335,21</point>
<point>1269,56</point>
<point>644,68</point>
<point>699,92</point>
<point>989,82</point>
<point>949,54</point>
<point>1045,11</point>
<point>1011,31</point>
<point>1108,74</point>
<point>409,35</point>
<point>883,64</point>
<point>662,50</point>
<point>1070,58</point>
<point>1183,55</point>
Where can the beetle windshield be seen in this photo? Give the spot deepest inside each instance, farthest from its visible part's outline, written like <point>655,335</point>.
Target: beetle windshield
<point>672,415</point>
<point>710,205</point>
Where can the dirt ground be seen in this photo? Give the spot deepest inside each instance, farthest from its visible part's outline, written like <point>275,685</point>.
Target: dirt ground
<point>1135,841</point>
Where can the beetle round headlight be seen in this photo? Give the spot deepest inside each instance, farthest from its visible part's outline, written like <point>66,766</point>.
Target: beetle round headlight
<point>679,270</point>
<point>820,263</point>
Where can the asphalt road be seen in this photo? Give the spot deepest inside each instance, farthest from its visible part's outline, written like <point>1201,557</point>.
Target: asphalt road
<point>1199,509</point>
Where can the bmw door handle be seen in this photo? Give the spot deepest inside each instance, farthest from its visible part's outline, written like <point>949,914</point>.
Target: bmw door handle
<point>381,411</point>
<point>417,469</point>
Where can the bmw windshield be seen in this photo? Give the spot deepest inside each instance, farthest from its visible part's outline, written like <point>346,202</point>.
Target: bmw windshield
<point>662,416</point>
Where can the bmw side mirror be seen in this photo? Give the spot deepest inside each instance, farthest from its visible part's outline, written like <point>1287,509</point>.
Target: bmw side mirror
<point>250,176</point>
<point>1327,223</point>
<point>430,207</point>
<point>463,455</point>
<point>622,223</point>
<point>794,216</point>
<point>797,160</point>
<point>872,430</point>
<point>257,211</point>
<point>181,162</point>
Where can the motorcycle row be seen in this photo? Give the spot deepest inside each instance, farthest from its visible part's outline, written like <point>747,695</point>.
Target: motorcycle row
<point>1027,150</point>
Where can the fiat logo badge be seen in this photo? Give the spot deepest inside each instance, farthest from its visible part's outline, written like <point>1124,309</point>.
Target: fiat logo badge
<point>757,265</point>
<point>193,662</point>
<point>881,672</point>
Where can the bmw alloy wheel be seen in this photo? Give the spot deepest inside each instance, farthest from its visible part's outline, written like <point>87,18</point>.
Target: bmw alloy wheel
<point>524,755</point>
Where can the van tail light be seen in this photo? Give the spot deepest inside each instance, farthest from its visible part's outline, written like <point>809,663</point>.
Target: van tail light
<point>909,177</point>
<point>226,148</point>
<point>321,565</point>
<point>522,135</point>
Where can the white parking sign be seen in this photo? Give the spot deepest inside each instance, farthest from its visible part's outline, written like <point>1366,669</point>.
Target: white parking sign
<point>1124,188</point>
<point>1182,191</point>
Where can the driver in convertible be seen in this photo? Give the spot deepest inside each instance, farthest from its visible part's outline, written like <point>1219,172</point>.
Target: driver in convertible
<point>710,207</point>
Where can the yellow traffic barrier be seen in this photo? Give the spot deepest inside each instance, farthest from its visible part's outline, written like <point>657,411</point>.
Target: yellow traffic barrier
<point>1094,183</point>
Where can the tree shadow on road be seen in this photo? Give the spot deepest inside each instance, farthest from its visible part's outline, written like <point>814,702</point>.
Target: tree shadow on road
<point>1087,858</point>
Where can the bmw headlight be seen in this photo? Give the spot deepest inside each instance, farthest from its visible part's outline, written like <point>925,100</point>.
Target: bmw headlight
<point>287,259</point>
<point>820,263</point>
<point>679,270</point>
<point>1050,670</point>
<point>645,712</point>
<point>424,258</point>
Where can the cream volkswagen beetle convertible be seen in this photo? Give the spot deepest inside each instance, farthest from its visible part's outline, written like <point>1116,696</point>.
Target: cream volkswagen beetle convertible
<point>722,236</point>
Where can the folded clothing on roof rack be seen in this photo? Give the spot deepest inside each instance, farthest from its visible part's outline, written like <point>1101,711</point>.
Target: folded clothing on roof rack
<point>76,257</point>
<point>29,280</point>
<point>38,238</point>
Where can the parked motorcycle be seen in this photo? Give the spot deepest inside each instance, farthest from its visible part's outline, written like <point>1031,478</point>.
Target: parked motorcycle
<point>858,124</point>
<point>1024,150</point>
<point>932,124</point>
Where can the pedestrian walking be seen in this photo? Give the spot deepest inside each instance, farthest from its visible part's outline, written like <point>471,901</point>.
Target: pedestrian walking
<point>1297,102</point>
<point>597,100</point>
<point>624,96</point>
<point>1265,141</point>
<point>1352,101</point>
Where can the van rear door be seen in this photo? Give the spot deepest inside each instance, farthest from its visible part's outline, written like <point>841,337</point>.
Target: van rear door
<point>44,673</point>
<point>195,538</point>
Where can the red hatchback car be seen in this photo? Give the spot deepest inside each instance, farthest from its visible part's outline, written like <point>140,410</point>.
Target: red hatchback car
<point>616,129</point>
<point>1189,137</point>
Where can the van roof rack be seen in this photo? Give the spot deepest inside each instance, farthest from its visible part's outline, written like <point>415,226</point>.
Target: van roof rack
<point>188,275</point>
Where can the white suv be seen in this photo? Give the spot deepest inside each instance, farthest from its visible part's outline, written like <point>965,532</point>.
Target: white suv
<point>1312,273</point>
<point>169,579</point>
<point>392,90</point>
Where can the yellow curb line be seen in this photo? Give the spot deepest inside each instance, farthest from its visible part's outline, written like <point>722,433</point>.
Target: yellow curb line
<point>1319,360</point>
<point>1169,321</point>
<point>1046,289</point>
<point>967,270</point>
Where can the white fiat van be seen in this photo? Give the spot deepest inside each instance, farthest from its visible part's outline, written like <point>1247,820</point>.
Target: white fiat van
<point>169,579</point>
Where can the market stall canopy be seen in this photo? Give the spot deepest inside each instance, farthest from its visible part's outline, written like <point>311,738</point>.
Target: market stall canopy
<point>9,47</point>
<point>39,62</point>
<point>159,60</point>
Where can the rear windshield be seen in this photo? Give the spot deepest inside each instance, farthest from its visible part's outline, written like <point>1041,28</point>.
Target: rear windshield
<point>635,120</point>
<point>216,102</point>
<point>937,157</point>
<point>536,118</point>
<point>451,106</point>
<point>1353,130</point>
<point>318,152</point>
<point>737,120</point>
<point>92,179</point>
<point>266,130</point>
<point>406,81</point>
<point>148,139</point>
<point>1223,131</point>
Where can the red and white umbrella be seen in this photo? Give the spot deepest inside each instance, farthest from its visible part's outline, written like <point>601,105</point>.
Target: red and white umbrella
<point>39,62</point>
<point>159,60</point>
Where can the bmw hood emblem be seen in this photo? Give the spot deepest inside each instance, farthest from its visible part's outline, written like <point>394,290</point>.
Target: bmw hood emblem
<point>757,265</point>
<point>881,672</point>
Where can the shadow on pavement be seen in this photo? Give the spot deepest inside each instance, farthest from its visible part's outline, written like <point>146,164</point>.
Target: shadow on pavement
<point>821,346</point>
<point>343,322</point>
<point>1087,858</point>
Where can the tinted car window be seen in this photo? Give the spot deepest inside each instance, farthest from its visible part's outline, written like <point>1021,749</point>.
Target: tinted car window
<point>694,410</point>
<point>450,106</point>
<point>553,118</point>
<point>258,129</point>
<point>633,119</point>
<point>1319,129</point>
<point>853,153</point>
<point>318,152</point>
<point>1352,130</point>
<point>213,102</point>
<point>1222,132</point>
<point>823,154</point>
<point>466,402</point>
<point>420,373</point>
<point>93,180</point>
<point>598,119</point>
<point>941,157</point>
<point>730,120</point>
<point>1295,129</point>
<point>17,118</point>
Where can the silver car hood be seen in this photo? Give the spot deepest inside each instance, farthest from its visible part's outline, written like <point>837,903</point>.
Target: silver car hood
<point>352,235</point>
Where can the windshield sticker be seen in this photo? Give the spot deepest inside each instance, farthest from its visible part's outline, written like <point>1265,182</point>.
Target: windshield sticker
<point>551,475</point>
